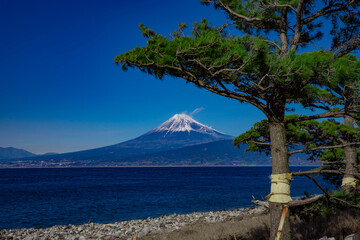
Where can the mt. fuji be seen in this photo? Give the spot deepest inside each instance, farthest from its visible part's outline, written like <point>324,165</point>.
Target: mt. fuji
<point>180,141</point>
<point>184,123</point>
<point>179,131</point>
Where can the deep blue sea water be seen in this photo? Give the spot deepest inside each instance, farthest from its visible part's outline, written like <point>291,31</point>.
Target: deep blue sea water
<point>46,197</point>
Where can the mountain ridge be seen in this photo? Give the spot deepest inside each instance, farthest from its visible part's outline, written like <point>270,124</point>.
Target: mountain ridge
<point>184,123</point>
<point>13,153</point>
<point>179,131</point>
<point>180,140</point>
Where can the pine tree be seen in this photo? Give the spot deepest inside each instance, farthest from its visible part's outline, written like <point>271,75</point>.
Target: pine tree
<point>262,66</point>
<point>347,91</point>
<point>324,141</point>
<point>340,139</point>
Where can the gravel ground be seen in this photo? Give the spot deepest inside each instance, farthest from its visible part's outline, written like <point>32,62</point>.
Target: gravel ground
<point>126,230</point>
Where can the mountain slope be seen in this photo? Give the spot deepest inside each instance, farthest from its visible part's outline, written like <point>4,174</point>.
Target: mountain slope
<point>216,153</point>
<point>11,153</point>
<point>177,142</point>
<point>221,152</point>
<point>179,131</point>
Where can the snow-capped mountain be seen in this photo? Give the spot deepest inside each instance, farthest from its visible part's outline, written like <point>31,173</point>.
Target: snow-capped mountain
<point>179,131</point>
<point>185,123</point>
<point>177,142</point>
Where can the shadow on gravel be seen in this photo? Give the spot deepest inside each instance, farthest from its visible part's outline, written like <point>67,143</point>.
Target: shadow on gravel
<point>254,227</point>
<point>339,225</point>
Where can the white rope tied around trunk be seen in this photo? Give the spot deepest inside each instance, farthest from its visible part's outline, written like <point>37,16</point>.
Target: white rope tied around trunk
<point>349,181</point>
<point>280,188</point>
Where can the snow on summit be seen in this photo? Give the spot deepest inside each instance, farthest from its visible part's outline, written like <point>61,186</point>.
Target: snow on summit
<point>184,123</point>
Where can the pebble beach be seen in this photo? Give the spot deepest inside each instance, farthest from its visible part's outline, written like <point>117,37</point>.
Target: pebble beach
<point>126,230</point>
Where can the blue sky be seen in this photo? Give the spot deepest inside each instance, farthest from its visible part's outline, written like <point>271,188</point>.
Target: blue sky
<point>61,91</point>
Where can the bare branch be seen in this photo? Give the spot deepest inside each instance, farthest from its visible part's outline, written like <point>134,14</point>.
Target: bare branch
<point>347,47</point>
<point>319,186</point>
<point>264,204</point>
<point>302,202</point>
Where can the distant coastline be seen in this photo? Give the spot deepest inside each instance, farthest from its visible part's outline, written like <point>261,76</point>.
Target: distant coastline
<point>152,166</point>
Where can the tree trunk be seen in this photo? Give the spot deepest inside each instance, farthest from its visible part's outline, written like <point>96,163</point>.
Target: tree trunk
<point>280,179</point>
<point>349,181</point>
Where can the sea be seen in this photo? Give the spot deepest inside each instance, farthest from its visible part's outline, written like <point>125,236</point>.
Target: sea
<point>43,197</point>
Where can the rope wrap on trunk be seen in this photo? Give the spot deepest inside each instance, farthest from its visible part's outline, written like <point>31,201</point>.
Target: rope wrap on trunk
<point>280,188</point>
<point>349,181</point>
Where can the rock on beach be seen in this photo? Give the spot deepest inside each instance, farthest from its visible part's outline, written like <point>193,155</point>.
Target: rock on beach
<point>126,229</point>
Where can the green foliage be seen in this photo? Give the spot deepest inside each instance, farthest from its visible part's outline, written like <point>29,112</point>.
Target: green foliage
<point>304,135</point>
<point>249,67</point>
<point>347,69</point>
<point>146,31</point>
<point>246,63</point>
<point>254,135</point>
<point>263,10</point>
<point>162,56</point>
<point>265,70</point>
<point>326,207</point>
<point>352,198</point>
<point>318,208</point>
<point>255,65</point>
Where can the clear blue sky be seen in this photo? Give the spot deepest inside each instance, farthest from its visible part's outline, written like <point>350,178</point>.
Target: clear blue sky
<point>61,91</point>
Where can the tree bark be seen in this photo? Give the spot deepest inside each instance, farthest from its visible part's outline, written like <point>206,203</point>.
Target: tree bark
<point>351,158</point>
<point>280,166</point>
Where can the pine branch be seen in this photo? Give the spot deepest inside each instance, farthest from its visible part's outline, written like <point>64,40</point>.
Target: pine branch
<point>228,9</point>
<point>301,202</point>
<point>310,200</point>
<point>327,10</point>
<point>327,195</point>
<point>273,43</point>
<point>320,171</point>
<point>262,143</point>
<point>294,203</point>
<point>313,105</point>
<point>283,6</point>
<point>317,116</point>
<point>322,148</point>
<point>226,93</point>
<point>264,21</point>
<point>346,203</point>
<point>225,25</point>
<point>347,47</point>
<point>297,34</point>
<point>316,172</point>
